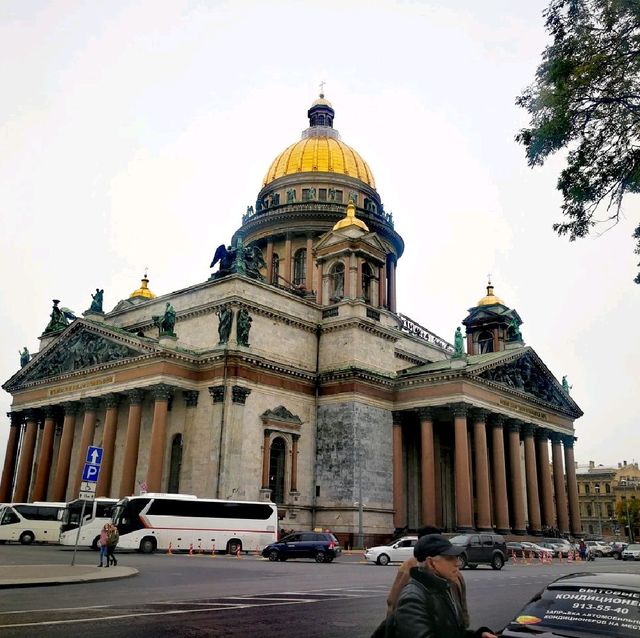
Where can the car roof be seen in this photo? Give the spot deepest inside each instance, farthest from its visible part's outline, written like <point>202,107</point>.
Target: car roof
<point>588,579</point>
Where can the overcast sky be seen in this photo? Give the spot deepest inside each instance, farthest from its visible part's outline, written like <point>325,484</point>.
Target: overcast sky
<point>135,134</point>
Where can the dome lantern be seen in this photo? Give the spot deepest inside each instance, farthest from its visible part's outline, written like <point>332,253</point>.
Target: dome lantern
<point>143,292</point>
<point>321,113</point>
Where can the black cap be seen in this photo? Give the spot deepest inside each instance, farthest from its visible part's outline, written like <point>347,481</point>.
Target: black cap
<point>435,545</point>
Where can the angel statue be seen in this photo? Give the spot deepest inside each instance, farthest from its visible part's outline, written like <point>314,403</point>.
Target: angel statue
<point>565,384</point>
<point>458,344</point>
<point>59,318</point>
<point>24,357</point>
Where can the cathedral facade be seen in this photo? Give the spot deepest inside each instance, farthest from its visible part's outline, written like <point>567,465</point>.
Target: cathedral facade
<point>291,376</point>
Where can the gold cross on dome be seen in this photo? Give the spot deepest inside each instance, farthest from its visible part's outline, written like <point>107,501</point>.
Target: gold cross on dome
<point>489,279</point>
<point>322,88</point>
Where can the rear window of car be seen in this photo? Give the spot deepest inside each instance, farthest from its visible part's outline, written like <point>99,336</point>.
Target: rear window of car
<point>607,611</point>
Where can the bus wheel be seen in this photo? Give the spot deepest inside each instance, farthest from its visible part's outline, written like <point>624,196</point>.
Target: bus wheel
<point>94,545</point>
<point>26,538</point>
<point>148,545</point>
<point>234,546</point>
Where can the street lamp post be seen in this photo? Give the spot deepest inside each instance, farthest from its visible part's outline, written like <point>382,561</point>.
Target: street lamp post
<point>597,488</point>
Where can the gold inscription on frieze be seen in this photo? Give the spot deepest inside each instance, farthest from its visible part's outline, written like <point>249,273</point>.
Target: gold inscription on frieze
<point>523,409</point>
<point>81,385</point>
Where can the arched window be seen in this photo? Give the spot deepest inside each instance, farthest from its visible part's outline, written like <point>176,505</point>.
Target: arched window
<point>367,277</point>
<point>337,282</point>
<point>485,342</point>
<point>275,268</point>
<point>300,267</point>
<point>176,464</point>
<point>276,469</point>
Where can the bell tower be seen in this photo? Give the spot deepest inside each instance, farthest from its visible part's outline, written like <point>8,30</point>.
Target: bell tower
<point>491,326</point>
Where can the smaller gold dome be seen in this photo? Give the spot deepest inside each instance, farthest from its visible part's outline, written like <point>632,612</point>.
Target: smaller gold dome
<point>489,299</point>
<point>350,219</point>
<point>143,291</point>
<point>322,101</point>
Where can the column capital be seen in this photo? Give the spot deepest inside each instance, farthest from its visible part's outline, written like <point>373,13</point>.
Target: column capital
<point>568,440</point>
<point>162,392</point>
<point>295,438</point>
<point>217,393</point>
<point>496,420</point>
<point>191,398</point>
<point>135,396</point>
<point>239,394</point>
<point>396,416</point>
<point>542,434</point>
<point>15,419</point>
<point>268,432</point>
<point>31,414</point>
<point>460,409</point>
<point>513,425</point>
<point>528,429</point>
<point>111,400</point>
<point>70,408</point>
<point>90,404</point>
<point>479,415</point>
<point>556,437</point>
<point>425,413</point>
<point>50,411</point>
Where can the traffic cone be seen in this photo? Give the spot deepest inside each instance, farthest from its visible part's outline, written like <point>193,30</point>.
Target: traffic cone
<point>257,552</point>
<point>238,553</point>
<point>570,556</point>
<point>213,551</point>
<point>514,557</point>
<point>530,558</point>
<point>191,549</point>
<point>169,552</point>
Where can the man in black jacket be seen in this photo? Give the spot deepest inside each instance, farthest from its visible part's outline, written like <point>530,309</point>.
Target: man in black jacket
<point>426,607</point>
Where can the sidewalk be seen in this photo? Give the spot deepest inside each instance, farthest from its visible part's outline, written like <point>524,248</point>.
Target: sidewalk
<point>42,575</point>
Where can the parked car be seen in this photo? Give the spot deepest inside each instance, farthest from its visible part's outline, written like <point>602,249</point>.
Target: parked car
<point>396,552</point>
<point>488,549</point>
<point>598,548</point>
<point>556,549</point>
<point>577,605</point>
<point>322,546</point>
<point>518,549</point>
<point>617,549</point>
<point>631,552</point>
<point>536,549</point>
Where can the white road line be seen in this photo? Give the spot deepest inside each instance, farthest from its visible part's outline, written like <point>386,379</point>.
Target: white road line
<point>152,613</point>
<point>33,611</point>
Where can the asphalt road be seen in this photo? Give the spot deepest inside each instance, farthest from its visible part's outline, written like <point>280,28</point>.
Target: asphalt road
<point>223,596</point>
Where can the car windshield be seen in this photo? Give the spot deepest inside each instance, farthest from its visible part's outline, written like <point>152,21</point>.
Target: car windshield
<point>459,540</point>
<point>606,611</point>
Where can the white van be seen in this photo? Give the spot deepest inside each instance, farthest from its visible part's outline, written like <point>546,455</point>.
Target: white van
<point>29,522</point>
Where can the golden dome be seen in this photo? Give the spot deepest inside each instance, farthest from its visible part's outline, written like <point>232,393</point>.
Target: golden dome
<point>321,154</point>
<point>321,101</point>
<point>489,299</point>
<point>350,219</point>
<point>143,291</point>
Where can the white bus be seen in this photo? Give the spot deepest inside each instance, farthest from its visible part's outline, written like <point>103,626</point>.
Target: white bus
<point>29,522</point>
<point>153,521</point>
<point>96,514</point>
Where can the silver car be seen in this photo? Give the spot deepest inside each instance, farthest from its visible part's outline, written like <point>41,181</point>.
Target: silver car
<point>396,552</point>
<point>631,552</point>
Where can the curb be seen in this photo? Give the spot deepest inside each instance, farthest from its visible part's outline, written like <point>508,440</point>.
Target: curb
<point>64,580</point>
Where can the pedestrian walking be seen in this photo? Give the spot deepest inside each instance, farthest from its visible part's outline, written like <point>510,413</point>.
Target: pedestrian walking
<point>112,541</point>
<point>459,588</point>
<point>103,545</point>
<point>582,546</point>
<point>427,608</point>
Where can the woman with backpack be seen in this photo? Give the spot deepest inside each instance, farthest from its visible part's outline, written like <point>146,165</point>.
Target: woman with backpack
<point>103,545</point>
<point>112,541</point>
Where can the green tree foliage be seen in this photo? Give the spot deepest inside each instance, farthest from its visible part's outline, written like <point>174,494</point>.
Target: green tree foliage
<point>628,511</point>
<point>586,99</point>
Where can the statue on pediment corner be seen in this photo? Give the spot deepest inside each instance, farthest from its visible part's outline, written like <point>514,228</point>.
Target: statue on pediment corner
<point>96,301</point>
<point>59,318</point>
<point>24,357</point>
<point>166,322</point>
<point>458,344</point>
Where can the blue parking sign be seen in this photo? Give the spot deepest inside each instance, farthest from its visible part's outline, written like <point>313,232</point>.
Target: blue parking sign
<point>90,472</point>
<point>94,455</point>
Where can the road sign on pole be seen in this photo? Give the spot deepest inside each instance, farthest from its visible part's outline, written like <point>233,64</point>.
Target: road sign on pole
<point>94,455</point>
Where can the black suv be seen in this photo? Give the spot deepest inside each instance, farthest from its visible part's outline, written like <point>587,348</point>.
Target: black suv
<point>488,549</point>
<point>323,546</point>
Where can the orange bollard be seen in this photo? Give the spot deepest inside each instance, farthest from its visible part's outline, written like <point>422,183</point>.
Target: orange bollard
<point>238,553</point>
<point>169,552</point>
<point>191,549</point>
<point>530,558</point>
<point>514,558</point>
<point>213,551</point>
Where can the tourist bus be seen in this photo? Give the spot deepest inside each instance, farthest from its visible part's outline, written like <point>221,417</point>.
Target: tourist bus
<point>96,514</point>
<point>29,522</point>
<point>183,521</point>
